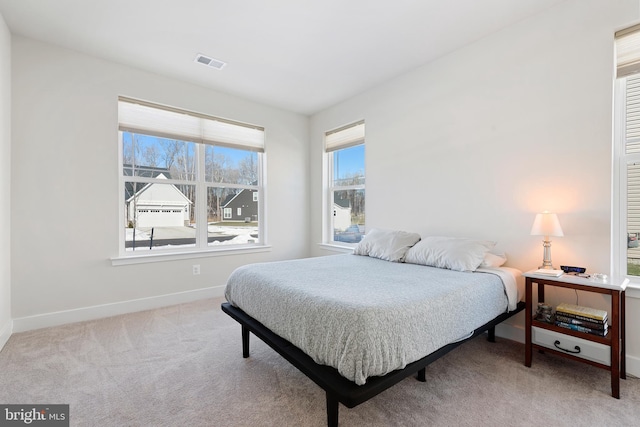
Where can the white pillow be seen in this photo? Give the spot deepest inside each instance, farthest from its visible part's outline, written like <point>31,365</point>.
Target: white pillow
<point>493,259</point>
<point>390,245</point>
<point>449,252</point>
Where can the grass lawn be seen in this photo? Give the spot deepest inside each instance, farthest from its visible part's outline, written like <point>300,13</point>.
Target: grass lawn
<point>633,269</point>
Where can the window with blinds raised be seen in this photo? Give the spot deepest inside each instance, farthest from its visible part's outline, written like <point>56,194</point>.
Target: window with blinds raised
<point>188,181</point>
<point>345,201</point>
<point>627,149</point>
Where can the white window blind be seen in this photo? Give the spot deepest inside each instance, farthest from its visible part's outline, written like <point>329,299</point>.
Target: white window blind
<point>165,122</point>
<point>344,137</point>
<point>628,51</point>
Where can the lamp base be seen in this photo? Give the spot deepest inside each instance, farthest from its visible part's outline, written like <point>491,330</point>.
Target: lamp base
<point>546,258</point>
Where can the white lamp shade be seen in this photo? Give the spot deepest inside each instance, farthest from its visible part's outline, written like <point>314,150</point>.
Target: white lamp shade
<point>546,224</point>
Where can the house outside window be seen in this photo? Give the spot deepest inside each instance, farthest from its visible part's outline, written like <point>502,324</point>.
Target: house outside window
<point>180,174</point>
<point>345,200</point>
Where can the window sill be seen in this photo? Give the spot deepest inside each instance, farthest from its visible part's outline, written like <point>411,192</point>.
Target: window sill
<point>175,256</point>
<point>336,248</point>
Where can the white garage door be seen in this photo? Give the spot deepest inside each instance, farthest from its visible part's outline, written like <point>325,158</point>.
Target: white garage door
<point>160,217</point>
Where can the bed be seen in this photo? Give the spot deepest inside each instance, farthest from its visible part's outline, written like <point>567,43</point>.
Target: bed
<point>356,325</point>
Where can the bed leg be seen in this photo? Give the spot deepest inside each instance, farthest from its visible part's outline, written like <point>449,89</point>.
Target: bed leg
<point>422,375</point>
<point>492,334</point>
<point>245,341</point>
<point>332,411</point>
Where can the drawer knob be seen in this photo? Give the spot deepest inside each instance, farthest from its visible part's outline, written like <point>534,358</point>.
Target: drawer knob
<point>575,350</point>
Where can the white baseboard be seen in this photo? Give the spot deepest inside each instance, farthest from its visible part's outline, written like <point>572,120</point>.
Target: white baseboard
<point>22,324</point>
<point>633,366</point>
<point>5,333</point>
<point>511,332</point>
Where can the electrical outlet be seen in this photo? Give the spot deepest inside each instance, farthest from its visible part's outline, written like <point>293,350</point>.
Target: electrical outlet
<point>196,269</point>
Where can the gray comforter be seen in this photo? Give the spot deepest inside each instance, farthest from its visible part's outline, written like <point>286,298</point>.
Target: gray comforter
<point>365,316</point>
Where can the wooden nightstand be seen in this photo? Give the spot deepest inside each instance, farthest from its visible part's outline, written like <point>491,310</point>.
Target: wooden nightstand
<point>606,352</point>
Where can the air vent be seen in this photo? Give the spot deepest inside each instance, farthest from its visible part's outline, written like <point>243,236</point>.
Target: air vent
<point>210,62</point>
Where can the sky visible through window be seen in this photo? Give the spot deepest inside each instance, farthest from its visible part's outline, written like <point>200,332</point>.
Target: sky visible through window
<point>144,141</point>
<point>348,163</point>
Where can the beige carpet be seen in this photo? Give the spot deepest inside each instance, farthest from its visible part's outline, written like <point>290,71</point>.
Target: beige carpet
<point>183,366</point>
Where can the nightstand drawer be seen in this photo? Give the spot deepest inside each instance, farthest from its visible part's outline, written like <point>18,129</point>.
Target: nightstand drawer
<point>589,350</point>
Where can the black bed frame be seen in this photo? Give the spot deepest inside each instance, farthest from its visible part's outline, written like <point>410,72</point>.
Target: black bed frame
<point>339,389</point>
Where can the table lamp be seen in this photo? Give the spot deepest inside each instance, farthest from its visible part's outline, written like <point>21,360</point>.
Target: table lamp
<point>546,224</point>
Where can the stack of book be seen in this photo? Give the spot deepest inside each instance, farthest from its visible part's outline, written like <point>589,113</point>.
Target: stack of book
<point>583,319</point>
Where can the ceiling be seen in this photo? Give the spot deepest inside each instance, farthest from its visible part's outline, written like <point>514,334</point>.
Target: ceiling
<point>299,55</point>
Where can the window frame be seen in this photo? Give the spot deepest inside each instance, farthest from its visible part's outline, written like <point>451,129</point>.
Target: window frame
<point>201,247</point>
<point>622,161</point>
<point>331,188</point>
<point>627,66</point>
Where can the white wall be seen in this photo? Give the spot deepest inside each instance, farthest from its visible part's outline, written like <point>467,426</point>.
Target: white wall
<point>5,183</point>
<point>65,186</point>
<point>477,142</point>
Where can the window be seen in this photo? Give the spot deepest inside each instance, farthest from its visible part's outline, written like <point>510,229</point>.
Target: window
<point>183,175</point>
<point>627,153</point>
<point>345,201</point>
